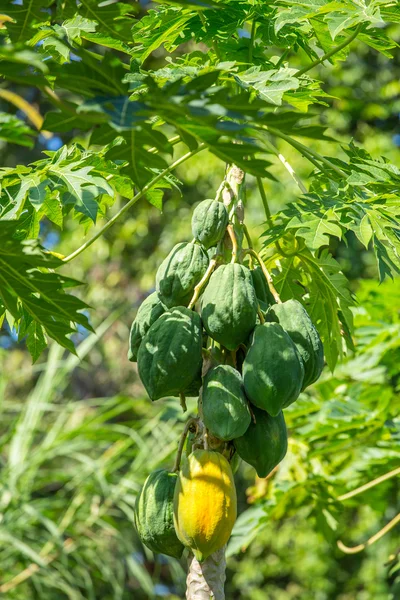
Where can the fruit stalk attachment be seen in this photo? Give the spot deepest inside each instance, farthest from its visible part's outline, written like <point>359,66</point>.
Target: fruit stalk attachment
<point>267,274</point>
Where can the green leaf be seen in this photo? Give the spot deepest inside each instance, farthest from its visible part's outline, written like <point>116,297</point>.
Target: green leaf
<point>15,131</point>
<point>114,20</point>
<point>35,341</point>
<point>270,85</point>
<point>164,26</point>
<point>122,112</point>
<point>82,188</point>
<point>27,286</point>
<point>26,17</point>
<point>199,4</point>
<point>329,303</point>
<point>364,231</point>
<point>61,122</point>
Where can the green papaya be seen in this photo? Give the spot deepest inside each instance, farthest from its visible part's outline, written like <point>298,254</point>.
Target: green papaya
<point>148,312</point>
<point>179,273</point>
<point>229,305</point>
<point>225,408</point>
<point>235,463</point>
<point>265,442</point>
<point>294,319</point>
<point>193,389</point>
<point>263,293</point>
<point>209,222</point>
<point>170,354</point>
<point>154,514</point>
<point>212,252</point>
<point>273,371</point>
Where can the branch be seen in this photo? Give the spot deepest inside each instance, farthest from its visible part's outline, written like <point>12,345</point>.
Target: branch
<point>31,112</point>
<point>131,202</point>
<point>260,314</point>
<point>288,167</point>
<point>372,540</point>
<point>307,151</point>
<point>267,212</point>
<point>264,201</point>
<point>202,282</point>
<point>267,274</point>
<point>182,441</point>
<point>252,40</point>
<point>234,242</point>
<point>369,485</point>
<point>331,52</point>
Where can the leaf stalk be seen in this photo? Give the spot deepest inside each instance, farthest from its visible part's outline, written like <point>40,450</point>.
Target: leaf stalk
<point>131,202</point>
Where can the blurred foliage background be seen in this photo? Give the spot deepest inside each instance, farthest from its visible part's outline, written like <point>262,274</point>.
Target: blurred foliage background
<point>78,436</point>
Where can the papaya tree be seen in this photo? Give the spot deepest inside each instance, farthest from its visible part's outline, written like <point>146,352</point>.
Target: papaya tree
<point>121,95</point>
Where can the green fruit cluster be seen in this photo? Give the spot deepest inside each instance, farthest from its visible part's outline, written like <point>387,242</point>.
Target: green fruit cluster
<point>166,338</point>
<point>214,329</point>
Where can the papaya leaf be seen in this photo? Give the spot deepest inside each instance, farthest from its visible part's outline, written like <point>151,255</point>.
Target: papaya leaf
<point>15,131</point>
<point>26,17</point>
<point>329,302</point>
<point>29,286</point>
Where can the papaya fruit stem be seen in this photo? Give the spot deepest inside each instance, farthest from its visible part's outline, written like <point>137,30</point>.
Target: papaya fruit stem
<point>234,243</point>
<point>220,190</point>
<point>182,399</point>
<point>249,243</point>
<point>190,423</point>
<point>253,416</point>
<point>267,274</point>
<point>260,315</point>
<point>199,287</point>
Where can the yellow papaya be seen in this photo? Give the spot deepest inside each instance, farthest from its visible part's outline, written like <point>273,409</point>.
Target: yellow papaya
<point>204,502</point>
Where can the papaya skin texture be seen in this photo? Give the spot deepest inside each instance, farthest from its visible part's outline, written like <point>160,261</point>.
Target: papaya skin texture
<point>169,357</point>
<point>148,312</point>
<point>229,305</point>
<point>179,273</point>
<point>204,503</point>
<point>226,411</point>
<point>265,443</point>
<point>209,221</point>
<point>273,371</point>
<point>154,514</point>
<point>296,322</point>
<point>263,293</point>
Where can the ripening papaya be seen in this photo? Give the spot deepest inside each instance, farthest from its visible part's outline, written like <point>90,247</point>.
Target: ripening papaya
<point>204,502</point>
<point>273,371</point>
<point>153,514</point>
<point>295,320</point>
<point>148,312</point>
<point>170,355</point>
<point>179,273</point>
<point>229,305</point>
<point>209,222</point>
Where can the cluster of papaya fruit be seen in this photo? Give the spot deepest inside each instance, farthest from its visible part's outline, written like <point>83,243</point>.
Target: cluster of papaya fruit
<point>214,329</point>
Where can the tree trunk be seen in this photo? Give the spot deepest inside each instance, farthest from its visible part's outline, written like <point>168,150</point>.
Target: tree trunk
<point>205,581</point>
